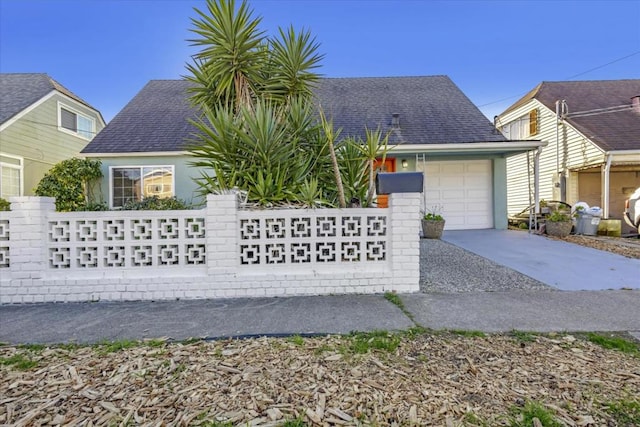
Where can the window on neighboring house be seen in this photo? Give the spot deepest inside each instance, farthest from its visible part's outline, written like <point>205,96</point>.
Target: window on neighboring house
<point>134,183</point>
<point>533,122</point>
<point>10,175</point>
<point>523,127</point>
<point>73,121</point>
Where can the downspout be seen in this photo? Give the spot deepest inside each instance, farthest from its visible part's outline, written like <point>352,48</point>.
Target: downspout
<point>605,189</point>
<point>536,179</point>
<point>558,139</point>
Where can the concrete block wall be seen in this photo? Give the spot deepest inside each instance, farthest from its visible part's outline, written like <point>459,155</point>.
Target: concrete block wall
<point>31,277</point>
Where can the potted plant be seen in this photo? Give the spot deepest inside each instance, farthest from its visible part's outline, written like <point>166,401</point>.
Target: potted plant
<point>559,224</point>
<point>432,224</point>
<point>544,207</point>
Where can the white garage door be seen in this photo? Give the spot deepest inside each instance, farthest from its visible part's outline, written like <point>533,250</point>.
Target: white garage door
<point>464,191</point>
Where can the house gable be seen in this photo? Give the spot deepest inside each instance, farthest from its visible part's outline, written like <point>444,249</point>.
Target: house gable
<point>607,120</point>
<point>33,137</point>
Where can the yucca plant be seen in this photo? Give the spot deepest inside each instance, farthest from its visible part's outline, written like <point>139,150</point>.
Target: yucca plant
<point>257,132</point>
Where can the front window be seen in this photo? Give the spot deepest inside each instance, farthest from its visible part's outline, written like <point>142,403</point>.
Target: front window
<point>10,175</point>
<point>73,121</point>
<point>134,183</point>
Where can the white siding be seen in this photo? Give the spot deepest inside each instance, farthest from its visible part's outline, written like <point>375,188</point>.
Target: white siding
<point>575,152</point>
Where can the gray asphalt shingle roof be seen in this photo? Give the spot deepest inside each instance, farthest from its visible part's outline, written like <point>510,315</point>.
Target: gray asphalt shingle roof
<point>19,90</point>
<point>155,120</point>
<point>432,110</point>
<point>619,130</point>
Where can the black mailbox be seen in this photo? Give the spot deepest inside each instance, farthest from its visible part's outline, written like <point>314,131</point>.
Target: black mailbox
<point>399,182</point>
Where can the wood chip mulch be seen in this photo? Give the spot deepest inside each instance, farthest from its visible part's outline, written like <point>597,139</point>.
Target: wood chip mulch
<point>439,379</point>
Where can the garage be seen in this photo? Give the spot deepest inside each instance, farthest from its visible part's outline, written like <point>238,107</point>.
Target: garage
<point>463,188</point>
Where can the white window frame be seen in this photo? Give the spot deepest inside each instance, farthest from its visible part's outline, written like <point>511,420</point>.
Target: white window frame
<point>78,113</point>
<point>523,127</point>
<point>19,167</point>
<point>142,184</point>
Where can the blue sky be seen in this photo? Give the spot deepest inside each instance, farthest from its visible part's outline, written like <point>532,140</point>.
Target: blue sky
<point>105,51</point>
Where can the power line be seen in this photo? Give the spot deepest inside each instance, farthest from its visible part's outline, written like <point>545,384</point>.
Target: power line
<point>568,78</point>
<point>604,65</point>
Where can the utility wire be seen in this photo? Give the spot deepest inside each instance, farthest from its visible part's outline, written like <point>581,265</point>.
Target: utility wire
<point>568,78</point>
<point>604,65</point>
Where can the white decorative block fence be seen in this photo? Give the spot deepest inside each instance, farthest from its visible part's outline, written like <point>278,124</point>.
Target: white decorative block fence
<point>220,251</point>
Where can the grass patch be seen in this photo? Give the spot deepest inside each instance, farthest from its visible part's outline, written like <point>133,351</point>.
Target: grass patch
<point>523,336</point>
<point>472,419</point>
<point>394,299</point>
<point>296,339</point>
<point>154,343</point>
<point>19,362</point>
<point>115,346</point>
<point>363,342</point>
<point>625,412</point>
<point>469,334</point>
<point>524,416</point>
<point>615,343</point>
<point>36,348</point>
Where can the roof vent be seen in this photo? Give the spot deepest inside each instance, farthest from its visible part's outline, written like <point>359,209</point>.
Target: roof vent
<point>395,120</point>
<point>635,104</point>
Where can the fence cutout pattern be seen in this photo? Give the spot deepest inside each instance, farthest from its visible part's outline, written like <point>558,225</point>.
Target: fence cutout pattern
<point>306,237</point>
<point>4,243</point>
<point>119,240</point>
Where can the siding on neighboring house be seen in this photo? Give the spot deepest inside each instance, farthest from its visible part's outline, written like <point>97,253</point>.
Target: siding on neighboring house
<point>576,152</point>
<point>36,138</point>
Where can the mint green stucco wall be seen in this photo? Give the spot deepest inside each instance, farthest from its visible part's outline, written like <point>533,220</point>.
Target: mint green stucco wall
<point>185,188</point>
<point>500,193</point>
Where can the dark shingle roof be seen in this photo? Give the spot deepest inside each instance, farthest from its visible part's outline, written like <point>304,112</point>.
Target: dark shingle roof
<point>20,90</point>
<point>155,120</point>
<point>618,130</point>
<point>432,110</point>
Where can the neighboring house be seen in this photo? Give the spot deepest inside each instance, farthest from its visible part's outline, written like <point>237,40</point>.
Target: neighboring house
<point>41,124</point>
<point>434,128</point>
<point>593,154</point>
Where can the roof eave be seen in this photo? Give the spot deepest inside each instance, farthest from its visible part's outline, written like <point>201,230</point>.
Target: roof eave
<point>137,154</point>
<point>509,148</point>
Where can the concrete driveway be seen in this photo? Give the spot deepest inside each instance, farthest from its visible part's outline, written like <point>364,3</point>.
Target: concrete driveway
<point>563,265</point>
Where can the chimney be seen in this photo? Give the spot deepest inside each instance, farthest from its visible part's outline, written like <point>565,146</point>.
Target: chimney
<point>395,121</point>
<point>635,104</point>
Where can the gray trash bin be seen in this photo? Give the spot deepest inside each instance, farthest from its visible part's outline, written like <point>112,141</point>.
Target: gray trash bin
<point>587,224</point>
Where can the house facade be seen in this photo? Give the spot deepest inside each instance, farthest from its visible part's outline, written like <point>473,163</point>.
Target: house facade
<point>593,152</point>
<point>41,124</point>
<point>433,126</point>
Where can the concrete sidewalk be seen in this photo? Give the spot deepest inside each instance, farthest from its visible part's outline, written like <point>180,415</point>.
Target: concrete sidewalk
<point>540,311</point>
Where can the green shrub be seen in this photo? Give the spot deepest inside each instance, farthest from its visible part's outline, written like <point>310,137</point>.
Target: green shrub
<point>70,182</point>
<point>5,205</point>
<point>155,203</point>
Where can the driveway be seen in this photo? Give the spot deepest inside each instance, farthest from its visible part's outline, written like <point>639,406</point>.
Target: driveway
<point>561,265</point>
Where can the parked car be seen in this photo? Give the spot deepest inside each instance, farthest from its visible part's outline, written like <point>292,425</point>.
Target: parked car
<point>632,210</point>
<point>546,208</point>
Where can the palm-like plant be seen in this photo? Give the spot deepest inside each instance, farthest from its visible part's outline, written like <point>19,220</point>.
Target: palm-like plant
<point>229,68</point>
<point>257,132</point>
